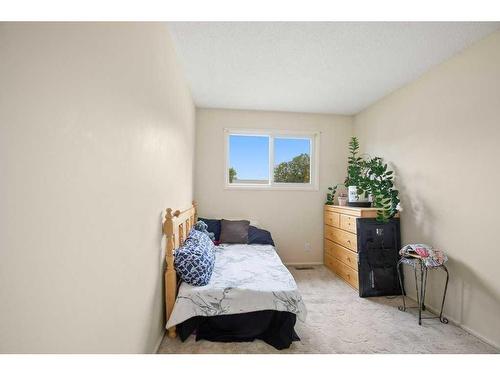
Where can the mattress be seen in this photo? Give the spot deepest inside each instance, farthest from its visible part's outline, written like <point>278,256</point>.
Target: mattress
<point>246,278</point>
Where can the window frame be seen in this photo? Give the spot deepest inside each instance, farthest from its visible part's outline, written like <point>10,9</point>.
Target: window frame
<point>314,137</point>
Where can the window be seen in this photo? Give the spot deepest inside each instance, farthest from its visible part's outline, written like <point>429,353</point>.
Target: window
<point>271,159</point>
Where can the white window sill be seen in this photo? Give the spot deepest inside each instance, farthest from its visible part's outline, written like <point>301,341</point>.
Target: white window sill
<point>278,187</point>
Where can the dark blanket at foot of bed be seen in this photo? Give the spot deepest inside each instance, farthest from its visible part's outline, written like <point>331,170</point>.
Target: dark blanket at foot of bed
<point>274,327</point>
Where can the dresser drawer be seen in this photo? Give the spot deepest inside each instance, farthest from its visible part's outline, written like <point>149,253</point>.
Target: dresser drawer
<point>328,247</point>
<point>330,262</point>
<point>341,237</point>
<point>348,223</point>
<point>332,219</point>
<point>348,257</point>
<point>347,273</point>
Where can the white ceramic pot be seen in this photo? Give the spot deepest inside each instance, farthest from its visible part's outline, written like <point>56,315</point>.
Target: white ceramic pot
<point>354,197</point>
<point>352,194</point>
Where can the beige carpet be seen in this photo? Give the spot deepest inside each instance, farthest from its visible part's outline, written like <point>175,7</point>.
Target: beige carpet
<point>339,321</point>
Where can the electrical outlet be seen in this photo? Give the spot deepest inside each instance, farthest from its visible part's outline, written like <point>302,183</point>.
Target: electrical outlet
<point>307,246</point>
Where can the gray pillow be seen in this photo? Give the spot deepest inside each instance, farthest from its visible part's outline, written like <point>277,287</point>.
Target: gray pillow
<point>234,231</point>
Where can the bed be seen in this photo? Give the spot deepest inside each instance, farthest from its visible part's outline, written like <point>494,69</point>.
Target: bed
<point>251,294</point>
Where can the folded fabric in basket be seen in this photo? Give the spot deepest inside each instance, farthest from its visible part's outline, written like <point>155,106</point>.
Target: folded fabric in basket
<point>431,257</point>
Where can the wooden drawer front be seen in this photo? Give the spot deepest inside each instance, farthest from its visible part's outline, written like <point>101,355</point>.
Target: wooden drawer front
<point>346,256</point>
<point>341,237</point>
<point>332,219</point>
<point>330,262</point>
<point>348,223</point>
<point>329,233</point>
<point>347,273</point>
<point>328,247</point>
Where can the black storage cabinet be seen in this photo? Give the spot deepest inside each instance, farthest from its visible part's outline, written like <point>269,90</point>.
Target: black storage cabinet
<point>378,255</point>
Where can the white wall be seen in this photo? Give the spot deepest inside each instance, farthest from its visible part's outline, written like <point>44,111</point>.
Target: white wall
<point>96,139</point>
<point>293,217</point>
<point>441,134</point>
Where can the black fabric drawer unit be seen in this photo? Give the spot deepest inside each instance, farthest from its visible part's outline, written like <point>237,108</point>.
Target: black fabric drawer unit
<point>378,255</point>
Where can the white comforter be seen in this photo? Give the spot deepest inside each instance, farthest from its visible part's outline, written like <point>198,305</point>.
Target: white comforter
<point>246,278</point>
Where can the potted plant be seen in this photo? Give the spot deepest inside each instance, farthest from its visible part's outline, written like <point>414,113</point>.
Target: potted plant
<point>369,182</point>
<point>377,180</point>
<point>330,196</point>
<point>355,170</point>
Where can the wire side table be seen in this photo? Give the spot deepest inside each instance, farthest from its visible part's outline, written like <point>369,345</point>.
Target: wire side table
<point>417,261</point>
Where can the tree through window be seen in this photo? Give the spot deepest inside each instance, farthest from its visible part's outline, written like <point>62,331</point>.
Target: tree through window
<point>292,160</point>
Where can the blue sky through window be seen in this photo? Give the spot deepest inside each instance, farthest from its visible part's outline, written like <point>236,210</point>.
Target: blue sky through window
<point>249,155</point>
<point>285,149</point>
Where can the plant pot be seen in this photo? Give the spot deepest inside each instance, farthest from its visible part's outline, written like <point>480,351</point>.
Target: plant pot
<point>354,197</point>
<point>342,201</point>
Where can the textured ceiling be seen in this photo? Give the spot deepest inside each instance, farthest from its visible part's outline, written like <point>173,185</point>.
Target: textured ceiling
<point>325,67</point>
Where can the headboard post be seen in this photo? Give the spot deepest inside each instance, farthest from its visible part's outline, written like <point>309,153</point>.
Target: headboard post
<point>176,228</point>
<point>170,274</point>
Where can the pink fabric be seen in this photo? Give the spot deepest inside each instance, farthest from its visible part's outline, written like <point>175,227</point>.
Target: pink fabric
<point>422,251</point>
<point>430,256</point>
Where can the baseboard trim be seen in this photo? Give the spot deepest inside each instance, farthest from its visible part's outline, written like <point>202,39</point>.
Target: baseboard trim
<point>304,264</point>
<point>157,346</point>
<point>476,334</point>
<point>467,329</point>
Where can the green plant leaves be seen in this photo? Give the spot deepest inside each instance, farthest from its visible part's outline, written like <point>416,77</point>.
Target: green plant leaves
<point>331,195</point>
<point>378,181</point>
<point>371,176</point>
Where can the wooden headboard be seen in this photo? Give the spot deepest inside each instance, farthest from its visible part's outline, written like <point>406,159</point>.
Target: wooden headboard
<point>176,228</point>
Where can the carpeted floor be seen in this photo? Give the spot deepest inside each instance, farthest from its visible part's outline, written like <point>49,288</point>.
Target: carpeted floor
<point>339,321</point>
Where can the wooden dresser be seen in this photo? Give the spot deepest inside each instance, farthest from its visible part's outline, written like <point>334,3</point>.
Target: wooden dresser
<point>341,240</point>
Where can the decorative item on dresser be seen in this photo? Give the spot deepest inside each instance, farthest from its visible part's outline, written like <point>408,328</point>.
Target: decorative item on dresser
<point>361,250</point>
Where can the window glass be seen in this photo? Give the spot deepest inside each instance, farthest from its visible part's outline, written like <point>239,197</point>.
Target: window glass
<point>248,159</point>
<point>292,160</point>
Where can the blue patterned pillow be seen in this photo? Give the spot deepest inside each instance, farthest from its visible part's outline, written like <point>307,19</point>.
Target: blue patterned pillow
<point>194,260</point>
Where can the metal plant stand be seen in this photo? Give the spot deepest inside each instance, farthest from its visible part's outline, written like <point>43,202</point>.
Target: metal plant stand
<point>414,261</point>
